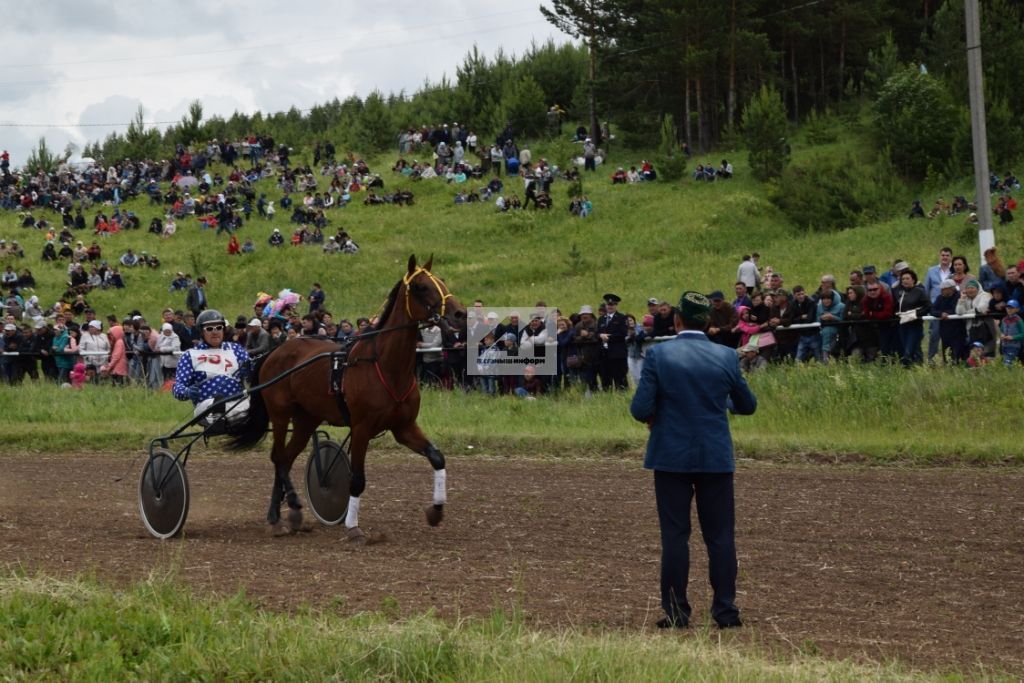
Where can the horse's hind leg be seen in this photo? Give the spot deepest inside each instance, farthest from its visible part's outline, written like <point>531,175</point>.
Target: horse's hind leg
<point>412,437</point>
<point>303,426</point>
<point>277,493</point>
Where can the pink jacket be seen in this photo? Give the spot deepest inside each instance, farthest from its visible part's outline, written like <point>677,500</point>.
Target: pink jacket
<point>118,364</point>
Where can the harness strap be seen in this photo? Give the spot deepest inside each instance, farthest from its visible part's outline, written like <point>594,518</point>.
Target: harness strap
<point>380,374</point>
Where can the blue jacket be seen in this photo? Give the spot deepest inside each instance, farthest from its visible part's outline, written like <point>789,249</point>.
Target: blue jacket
<point>686,387</point>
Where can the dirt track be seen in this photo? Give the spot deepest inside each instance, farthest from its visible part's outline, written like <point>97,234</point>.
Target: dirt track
<point>920,565</point>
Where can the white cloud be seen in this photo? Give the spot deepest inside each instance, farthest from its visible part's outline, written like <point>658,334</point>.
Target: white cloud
<point>95,61</point>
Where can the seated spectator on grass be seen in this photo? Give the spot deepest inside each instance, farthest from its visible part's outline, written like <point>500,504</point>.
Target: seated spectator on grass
<point>916,210</point>
<point>619,177</point>
<point>725,170</point>
<point>129,259</point>
<point>276,239</point>
<point>248,246</point>
<point>647,171</point>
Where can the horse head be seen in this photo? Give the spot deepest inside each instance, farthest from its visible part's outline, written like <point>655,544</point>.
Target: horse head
<point>427,297</point>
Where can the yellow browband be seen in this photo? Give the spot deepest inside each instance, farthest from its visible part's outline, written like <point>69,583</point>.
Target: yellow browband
<point>437,283</point>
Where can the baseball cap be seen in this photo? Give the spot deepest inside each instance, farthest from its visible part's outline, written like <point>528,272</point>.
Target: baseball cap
<point>166,326</point>
<point>255,322</point>
<point>653,300</point>
<point>96,325</point>
<point>1013,303</point>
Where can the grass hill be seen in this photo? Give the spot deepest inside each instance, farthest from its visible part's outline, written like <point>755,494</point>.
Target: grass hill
<point>643,240</point>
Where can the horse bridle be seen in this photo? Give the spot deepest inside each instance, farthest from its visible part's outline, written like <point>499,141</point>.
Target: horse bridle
<point>434,316</point>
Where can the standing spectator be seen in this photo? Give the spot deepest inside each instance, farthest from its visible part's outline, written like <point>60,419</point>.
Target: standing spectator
<point>664,325</point>
<point>586,346</point>
<point>993,271</point>
<point>687,387</point>
<point>612,331</point>
<point>430,367</point>
<point>95,349</point>
<point>721,321</point>
<point>830,309</point>
<point>195,300</point>
<point>952,333</point>
<point>64,348</point>
<point>805,311</point>
<point>980,329</point>
<point>257,340</point>
<point>589,155</point>
<point>781,315</point>
<point>316,298</point>
<point>748,274</point>
<point>1011,332</point>
<point>117,367</point>
<point>911,304</point>
<point>167,344</point>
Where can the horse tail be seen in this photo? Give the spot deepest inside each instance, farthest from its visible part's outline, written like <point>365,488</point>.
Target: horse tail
<point>253,428</point>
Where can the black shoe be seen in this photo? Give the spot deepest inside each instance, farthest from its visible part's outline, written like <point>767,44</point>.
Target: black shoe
<point>731,623</point>
<point>668,622</point>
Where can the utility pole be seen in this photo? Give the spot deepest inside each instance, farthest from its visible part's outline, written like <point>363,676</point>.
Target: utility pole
<point>979,138</point>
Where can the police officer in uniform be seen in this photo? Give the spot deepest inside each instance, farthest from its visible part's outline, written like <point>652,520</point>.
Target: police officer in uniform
<point>612,331</point>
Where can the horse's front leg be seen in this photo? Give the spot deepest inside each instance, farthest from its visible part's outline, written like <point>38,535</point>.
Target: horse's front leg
<point>357,451</point>
<point>414,439</point>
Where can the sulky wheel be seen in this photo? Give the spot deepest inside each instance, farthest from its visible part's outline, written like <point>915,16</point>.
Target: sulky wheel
<point>328,473</point>
<point>163,494</point>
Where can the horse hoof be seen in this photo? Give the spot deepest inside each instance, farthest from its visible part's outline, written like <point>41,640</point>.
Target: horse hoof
<point>356,536</point>
<point>435,513</point>
<point>279,528</point>
<point>296,522</point>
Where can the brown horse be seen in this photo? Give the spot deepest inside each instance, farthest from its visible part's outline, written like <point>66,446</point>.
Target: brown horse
<point>380,394</point>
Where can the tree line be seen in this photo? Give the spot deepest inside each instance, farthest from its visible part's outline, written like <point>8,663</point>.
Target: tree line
<point>702,63</point>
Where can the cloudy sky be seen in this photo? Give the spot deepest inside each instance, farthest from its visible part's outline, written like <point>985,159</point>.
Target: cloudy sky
<point>71,69</point>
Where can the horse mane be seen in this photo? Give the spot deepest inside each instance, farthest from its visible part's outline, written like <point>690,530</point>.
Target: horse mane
<point>389,306</point>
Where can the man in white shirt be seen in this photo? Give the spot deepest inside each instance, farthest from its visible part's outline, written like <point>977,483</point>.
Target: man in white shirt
<point>748,274</point>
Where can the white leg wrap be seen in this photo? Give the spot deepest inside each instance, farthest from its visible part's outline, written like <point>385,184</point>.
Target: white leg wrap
<point>440,487</point>
<point>352,516</point>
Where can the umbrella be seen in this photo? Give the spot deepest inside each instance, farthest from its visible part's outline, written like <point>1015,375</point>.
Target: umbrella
<point>186,181</point>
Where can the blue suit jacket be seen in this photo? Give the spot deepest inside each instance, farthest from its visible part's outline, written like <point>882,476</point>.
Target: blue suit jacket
<point>686,388</point>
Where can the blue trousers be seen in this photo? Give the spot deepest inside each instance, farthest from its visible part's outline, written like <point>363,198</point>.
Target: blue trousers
<point>673,492</point>
<point>911,336</point>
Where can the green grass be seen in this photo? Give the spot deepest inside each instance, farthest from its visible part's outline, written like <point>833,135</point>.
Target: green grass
<point>158,630</point>
<point>879,414</point>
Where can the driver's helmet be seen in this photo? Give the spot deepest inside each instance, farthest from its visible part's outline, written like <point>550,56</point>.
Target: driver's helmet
<point>210,317</point>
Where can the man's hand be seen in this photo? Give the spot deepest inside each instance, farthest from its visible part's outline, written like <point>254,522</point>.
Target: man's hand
<point>194,393</point>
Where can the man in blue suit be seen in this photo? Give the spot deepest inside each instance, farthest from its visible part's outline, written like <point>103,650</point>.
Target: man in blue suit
<point>686,388</point>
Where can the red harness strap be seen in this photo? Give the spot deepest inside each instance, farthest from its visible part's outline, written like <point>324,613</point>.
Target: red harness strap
<point>387,386</point>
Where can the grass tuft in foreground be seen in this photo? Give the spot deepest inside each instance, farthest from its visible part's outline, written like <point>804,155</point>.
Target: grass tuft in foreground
<point>78,630</point>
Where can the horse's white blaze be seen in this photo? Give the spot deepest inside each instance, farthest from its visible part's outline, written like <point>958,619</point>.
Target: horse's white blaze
<point>352,516</point>
<point>440,487</point>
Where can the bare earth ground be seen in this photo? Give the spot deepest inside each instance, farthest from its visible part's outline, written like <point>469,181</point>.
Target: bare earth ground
<point>924,566</point>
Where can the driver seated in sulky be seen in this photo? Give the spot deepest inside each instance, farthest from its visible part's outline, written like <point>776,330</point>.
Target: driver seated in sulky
<point>213,369</point>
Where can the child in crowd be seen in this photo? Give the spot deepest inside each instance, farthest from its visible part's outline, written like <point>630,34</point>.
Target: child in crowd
<point>977,357</point>
<point>1011,332</point>
<point>78,375</point>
